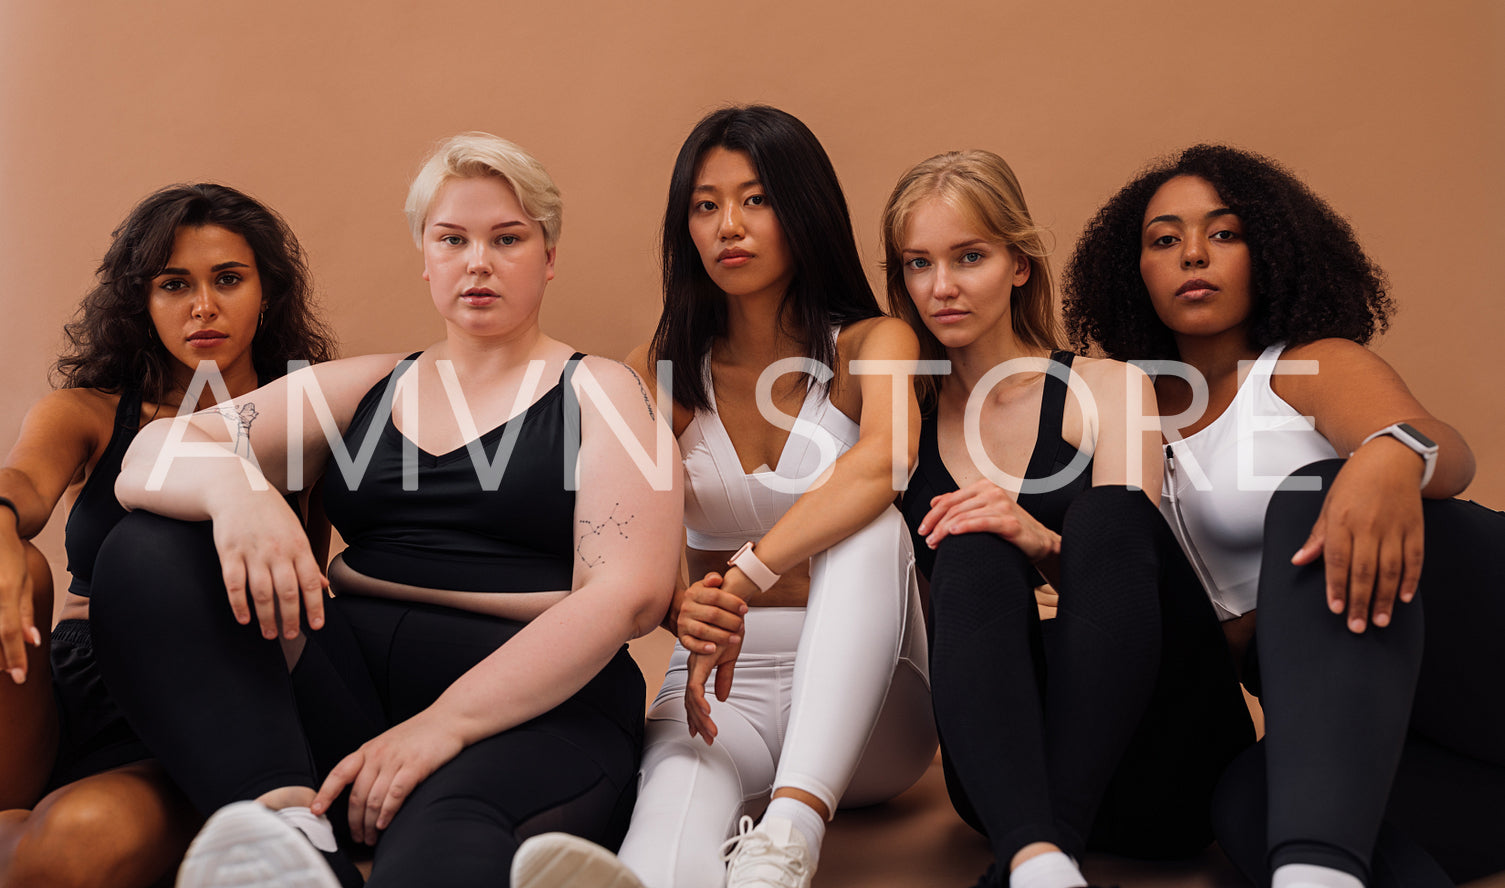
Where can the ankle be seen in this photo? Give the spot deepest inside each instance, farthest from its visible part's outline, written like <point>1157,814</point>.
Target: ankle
<point>288,797</point>
<point>1050,869</point>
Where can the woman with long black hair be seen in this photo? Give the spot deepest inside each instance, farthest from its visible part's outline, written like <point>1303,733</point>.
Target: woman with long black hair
<point>791,450</point>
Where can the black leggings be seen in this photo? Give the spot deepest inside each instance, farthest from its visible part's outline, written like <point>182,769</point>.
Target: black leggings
<point>1108,727</point>
<point>215,703</point>
<point>1418,702</point>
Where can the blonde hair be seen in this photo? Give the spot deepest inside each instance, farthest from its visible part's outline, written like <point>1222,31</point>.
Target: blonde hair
<point>473,155</point>
<point>983,187</point>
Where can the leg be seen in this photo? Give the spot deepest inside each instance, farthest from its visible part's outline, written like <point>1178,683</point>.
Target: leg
<point>987,671</point>
<point>1332,746</point>
<point>1241,813</point>
<point>690,795</point>
<point>125,828</point>
<point>860,594</point>
<point>28,745</point>
<point>211,698</point>
<point>571,769</point>
<point>903,741</point>
<point>1452,771</point>
<point>1194,722</point>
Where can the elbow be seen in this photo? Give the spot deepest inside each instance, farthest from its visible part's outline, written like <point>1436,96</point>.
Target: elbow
<point>649,614</point>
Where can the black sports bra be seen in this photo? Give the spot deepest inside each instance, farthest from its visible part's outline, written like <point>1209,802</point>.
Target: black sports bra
<point>443,529</point>
<point>96,511</point>
<point>1052,454</point>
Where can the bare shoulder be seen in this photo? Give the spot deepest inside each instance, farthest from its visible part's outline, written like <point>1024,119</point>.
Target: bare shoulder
<point>878,338</point>
<point>1107,377</point>
<point>613,375</point>
<point>638,360</point>
<point>1343,368</point>
<point>1342,352</point>
<point>339,381</point>
<point>79,413</point>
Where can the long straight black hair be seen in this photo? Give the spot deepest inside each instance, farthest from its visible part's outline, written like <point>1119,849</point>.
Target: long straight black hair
<point>828,286</point>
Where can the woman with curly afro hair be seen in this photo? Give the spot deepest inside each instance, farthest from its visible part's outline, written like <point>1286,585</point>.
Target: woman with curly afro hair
<point>1302,476</point>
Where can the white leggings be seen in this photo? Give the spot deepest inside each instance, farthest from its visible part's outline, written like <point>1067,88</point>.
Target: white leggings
<point>832,699</point>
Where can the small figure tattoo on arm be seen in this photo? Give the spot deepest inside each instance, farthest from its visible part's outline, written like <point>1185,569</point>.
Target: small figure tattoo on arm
<point>593,532</point>
<point>647,401</point>
<point>241,418</point>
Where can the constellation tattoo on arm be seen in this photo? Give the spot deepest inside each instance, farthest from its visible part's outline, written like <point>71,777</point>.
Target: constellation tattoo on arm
<point>596,532</point>
<point>241,418</point>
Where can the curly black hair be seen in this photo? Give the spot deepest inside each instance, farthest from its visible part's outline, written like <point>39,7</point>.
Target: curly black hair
<point>1310,279</point>
<point>111,345</point>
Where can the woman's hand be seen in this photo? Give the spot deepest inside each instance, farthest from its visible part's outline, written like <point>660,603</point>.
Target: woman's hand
<point>697,708</point>
<point>385,771</point>
<point>710,627</point>
<point>984,507</point>
<point>1370,533</point>
<point>17,620</point>
<point>707,616</point>
<point>266,559</point>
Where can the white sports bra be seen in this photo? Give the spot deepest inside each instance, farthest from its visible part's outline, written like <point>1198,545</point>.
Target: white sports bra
<point>1219,480</point>
<point>725,507</point>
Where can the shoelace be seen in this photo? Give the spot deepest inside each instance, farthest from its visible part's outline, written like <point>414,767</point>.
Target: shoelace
<point>751,847</point>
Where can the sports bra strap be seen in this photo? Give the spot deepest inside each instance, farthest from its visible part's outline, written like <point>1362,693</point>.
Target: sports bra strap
<point>1052,410</point>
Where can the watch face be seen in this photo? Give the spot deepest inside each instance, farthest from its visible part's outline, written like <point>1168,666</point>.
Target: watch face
<point>1420,438</point>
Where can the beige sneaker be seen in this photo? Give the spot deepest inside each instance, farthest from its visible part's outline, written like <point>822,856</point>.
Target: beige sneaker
<point>771,855</point>
<point>560,860</point>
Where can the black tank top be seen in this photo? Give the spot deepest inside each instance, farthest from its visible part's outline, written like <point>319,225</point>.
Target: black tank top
<point>1052,453</point>
<point>445,530</point>
<point>96,511</point>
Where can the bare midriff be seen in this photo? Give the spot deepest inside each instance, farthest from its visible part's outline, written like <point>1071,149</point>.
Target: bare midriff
<point>792,589</point>
<point>521,606</point>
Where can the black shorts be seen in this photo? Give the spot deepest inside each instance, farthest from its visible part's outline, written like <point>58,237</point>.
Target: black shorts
<point>93,735</point>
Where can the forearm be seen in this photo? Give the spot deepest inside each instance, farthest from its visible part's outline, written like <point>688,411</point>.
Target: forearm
<point>32,509</point>
<point>188,487</point>
<point>858,487</point>
<point>544,665</point>
<point>1455,459</point>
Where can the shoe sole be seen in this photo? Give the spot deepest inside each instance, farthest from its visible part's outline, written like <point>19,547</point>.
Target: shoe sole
<point>560,860</point>
<point>245,845</point>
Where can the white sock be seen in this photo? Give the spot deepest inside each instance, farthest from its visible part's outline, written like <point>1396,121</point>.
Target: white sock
<point>1052,869</point>
<point>1305,875</point>
<point>320,833</point>
<point>804,818</point>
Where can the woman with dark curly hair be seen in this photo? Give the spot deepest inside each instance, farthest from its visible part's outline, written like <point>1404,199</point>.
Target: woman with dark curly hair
<point>196,273</point>
<point>1223,261</point>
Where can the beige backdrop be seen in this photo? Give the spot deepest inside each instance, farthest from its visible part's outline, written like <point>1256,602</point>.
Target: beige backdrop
<point>1393,110</point>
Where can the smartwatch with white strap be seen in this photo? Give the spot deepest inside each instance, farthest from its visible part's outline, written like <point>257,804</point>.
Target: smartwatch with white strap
<point>1407,434</point>
<point>749,563</point>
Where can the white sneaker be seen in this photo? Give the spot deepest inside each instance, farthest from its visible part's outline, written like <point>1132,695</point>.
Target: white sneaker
<point>771,855</point>
<point>246,845</point>
<point>560,860</point>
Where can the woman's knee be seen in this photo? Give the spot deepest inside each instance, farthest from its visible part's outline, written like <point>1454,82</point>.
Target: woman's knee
<point>879,548</point>
<point>978,576</point>
<point>1298,500</point>
<point>1112,511</point>
<point>171,560</point>
<point>111,830</point>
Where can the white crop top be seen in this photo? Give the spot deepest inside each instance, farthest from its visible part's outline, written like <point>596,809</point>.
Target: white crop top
<point>1219,480</point>
<point>724,507</point>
